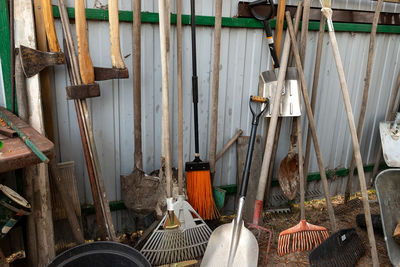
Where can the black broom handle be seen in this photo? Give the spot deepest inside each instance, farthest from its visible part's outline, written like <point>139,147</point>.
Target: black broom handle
<point>195,84</point>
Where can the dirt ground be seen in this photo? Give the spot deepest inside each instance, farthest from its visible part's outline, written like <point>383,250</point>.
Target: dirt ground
<point>317,214</point>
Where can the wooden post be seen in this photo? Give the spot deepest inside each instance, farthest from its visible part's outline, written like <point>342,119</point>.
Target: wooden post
<point>215,88</point>
<point>367,81</point>
<point>25,34</point>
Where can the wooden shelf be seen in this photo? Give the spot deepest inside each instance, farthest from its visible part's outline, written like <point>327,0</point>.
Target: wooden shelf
<point>15,154</point>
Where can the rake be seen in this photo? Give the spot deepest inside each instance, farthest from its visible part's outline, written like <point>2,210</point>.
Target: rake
<point>303,236</point>
<point>167,243</point>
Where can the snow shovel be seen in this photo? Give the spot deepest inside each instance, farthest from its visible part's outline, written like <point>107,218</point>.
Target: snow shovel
<point>232,244</point>
<point>390,133</point>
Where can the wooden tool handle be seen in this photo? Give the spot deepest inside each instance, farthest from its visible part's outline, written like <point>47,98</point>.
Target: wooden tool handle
<point>259,99</point>
<point>311,122</point>
<point>280,18</point>
<point>47,11</point>
<point>164,6</point>
<point>85,62</point>
<point>113,19</point>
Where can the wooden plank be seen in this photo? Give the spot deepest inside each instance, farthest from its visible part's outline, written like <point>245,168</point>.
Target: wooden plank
<point>242,145</point>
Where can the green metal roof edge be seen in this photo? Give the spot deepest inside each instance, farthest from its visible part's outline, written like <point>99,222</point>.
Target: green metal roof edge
<point>232,189</point>
<point>5,51</point>
<point>150,17</point>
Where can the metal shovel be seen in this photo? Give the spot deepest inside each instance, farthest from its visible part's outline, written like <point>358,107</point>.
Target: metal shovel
<point>232,244</point>
<point>390,133</point>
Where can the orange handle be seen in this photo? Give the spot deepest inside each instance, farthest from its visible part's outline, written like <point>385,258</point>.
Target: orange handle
<point>47,12</point>
<point>85,62</point>
<point>259,99</point>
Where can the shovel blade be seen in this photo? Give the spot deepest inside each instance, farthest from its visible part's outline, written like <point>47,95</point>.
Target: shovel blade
<point>217,251</point>
<point>288,176</point>
<point>390,145</point>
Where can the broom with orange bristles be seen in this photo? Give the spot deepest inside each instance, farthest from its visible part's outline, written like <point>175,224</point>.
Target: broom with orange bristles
<point>198,176</point>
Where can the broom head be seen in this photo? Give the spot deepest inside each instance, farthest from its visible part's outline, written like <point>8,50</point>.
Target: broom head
<point>199,189</point>
<point>343,248</point>
<point>304,236</point>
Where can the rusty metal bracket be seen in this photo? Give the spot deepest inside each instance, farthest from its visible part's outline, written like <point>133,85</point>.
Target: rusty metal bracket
<point>102,74</point>
<point>83,91</point>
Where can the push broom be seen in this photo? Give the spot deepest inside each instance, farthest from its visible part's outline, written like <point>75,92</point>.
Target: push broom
<point>198,177</point>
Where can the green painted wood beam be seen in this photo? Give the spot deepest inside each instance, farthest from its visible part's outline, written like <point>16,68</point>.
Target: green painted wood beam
<point>149,17</point>
<point>5,51</point>
<point>232,189</point>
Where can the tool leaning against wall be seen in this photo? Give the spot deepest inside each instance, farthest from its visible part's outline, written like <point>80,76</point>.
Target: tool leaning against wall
<point>81,88</point>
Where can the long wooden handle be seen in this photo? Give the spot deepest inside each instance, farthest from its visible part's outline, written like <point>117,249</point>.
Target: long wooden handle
<point>356,146</point>
<point>164,6</point>
<point>85,62</point>
<point>312,123</point>
<point>367,80</point>
<point>271,132</point>
<point>47,11</point>
<point>280,18</point>
<point>113,19</point>
<point>137,88</point>
<point>215,87</point>
<point>314,89</point>
<point>180,95</point>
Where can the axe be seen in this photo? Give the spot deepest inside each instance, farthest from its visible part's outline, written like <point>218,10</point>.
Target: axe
<point>33,61</point>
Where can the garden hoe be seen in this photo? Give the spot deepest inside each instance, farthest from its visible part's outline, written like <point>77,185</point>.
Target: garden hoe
<point>232,244</point>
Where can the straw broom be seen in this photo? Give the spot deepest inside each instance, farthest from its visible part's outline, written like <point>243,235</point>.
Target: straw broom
<point>199,188</point>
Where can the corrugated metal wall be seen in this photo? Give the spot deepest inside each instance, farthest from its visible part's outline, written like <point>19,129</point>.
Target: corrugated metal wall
<point>243,56</point>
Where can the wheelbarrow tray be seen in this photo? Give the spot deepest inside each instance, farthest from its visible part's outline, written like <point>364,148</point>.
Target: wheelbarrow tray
<point>387,186</point>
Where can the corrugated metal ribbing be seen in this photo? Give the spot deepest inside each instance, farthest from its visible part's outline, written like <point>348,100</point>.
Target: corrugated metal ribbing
<point>244,55</point>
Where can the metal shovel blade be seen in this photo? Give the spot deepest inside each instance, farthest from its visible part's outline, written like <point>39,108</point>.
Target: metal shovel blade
<point>288,176</point>
<point>217,251</point>
<point>390,144</point>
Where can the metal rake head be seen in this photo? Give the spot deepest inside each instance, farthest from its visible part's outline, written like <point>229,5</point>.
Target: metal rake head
<point>303,236</point>
<point>166,246</point>
<point>264,235</point>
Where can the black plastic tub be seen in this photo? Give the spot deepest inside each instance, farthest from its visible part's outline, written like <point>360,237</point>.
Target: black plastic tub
<point>100,254</point>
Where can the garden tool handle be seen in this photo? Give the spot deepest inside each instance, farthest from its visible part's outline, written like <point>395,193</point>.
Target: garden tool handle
<point>116,57</point>
<point>195,83</point>
<point>47,11</point>
<point>267,26</point>
<point>85,62</point>
<point>256,116</point>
